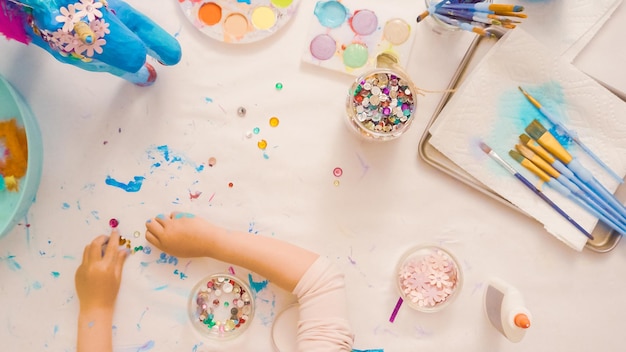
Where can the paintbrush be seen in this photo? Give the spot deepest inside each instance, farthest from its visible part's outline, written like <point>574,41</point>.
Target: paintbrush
<point>485,148</point>
<point>540,134</point>
<point>469,16</point>
<point>573,193</point>
<point>486,7</point>
<point>464,26</point>
<point>431,9</point>
<point>572,183</point>
<point>571,134</point>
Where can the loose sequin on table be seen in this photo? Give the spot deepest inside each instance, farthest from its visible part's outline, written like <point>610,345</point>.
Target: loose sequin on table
<point>262,144</point>
<point>274,121</point>
<point>113,223</point>
<point>241,111</point>
<point>382,102</point>
<point>337,172</point>
<point>279,86</point>
<point>212,161</point>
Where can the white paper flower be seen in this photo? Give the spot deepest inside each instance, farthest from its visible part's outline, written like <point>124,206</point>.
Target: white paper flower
<point>90,49</point>
<point>68,17</point>
<point>89,8</point>
<point>100,28</point>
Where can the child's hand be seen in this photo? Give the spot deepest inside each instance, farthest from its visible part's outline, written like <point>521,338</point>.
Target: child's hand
<point>183,235</point>
<point>99,275</point>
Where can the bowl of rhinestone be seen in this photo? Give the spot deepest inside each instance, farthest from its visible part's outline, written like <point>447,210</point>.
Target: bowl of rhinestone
<point>381,104</point>
<point>221,306</point>
<point>428,278</point>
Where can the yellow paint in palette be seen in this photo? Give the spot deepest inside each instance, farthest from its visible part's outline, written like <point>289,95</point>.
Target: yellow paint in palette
<point>239,21</point>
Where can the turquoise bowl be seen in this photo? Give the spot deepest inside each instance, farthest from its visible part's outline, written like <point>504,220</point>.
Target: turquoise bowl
<point>15,205</point>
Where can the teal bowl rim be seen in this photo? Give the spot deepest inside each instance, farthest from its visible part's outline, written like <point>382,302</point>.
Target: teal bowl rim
<point>30,182</point>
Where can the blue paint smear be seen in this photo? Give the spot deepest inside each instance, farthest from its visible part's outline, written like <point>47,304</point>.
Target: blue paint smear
<point>56,329</point>
<point>55,274</point>
<point>12,263</point>
<point>195,347</point>
<point>244,1</point>
<point>208,100</point>
<point>131,186</point>
<point>37,285</point>
<point>65,206</point>
<point>161,288</point>
<point>517,113</point>
<point>257,286</point>
<point>147,346</point>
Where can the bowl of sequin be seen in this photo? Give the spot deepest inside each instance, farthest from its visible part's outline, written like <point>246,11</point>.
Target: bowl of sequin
<point>380,104</point>
<point>221,306</point>
<point>428,278</point>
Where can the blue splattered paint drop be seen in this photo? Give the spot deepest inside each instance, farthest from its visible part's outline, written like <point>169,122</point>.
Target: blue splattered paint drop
<point>55,274</point>
<point>257,286</point>
<point>65,206</point>
<point>12,263</point>
<point>147,346</point>
<point>131,186</point>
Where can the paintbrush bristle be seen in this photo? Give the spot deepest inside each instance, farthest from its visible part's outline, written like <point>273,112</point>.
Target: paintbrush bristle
<point>524,138</point>
<point>516,156</point>
<point>485,148</point>
<point>535,129</point>
<point>526,152</point>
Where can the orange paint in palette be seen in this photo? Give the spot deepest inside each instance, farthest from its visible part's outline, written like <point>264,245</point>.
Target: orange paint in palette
<point>239,21</point>
<point>348,35</point>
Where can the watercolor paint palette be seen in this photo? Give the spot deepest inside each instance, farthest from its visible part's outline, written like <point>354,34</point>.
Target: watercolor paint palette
<point>239,21</point>
<point>348,36</point>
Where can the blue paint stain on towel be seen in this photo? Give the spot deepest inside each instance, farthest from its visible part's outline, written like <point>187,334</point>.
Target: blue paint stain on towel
<point>131,186</point>
<point>257,286</point>
<point>147,346</point>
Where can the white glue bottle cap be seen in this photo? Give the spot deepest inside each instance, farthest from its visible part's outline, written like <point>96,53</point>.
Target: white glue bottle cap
<point>506,310</point>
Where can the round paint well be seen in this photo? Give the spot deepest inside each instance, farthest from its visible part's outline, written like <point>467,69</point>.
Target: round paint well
<point>364,22</point>
<point>281,3</point>
<point>263,17</point>
<point>396,31</point>
<point>210,13</point>
<point>330,14</point>
<point>236,25</point>
<point>323,47</point>
<point>355,55</point>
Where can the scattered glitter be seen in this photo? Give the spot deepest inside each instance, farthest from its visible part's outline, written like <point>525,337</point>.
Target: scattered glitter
<point>113,223</point>
<point>256,130</point>
<point>136,234</point>
<point>274,121</point>
<point>230,185</point>
<point>212,161</point>
<point>337,172</point>
<point>279,86</point>
<point>241,111</point>
<point>336,182</point>
<point>262,144</point>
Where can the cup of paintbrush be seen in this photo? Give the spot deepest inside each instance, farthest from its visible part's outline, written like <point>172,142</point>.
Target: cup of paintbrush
<point>546,162</point>
<point>540,134</point>
<point>567,189</point>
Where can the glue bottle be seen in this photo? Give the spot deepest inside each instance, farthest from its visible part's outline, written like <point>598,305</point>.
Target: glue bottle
<point>506,310</point>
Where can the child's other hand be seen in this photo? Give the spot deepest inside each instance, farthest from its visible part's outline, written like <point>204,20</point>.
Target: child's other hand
<point>183,235</point>
<point>99,275</point>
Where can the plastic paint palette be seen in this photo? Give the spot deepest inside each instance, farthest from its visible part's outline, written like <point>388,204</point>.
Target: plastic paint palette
<point>348,36</point>
<point>239,21</point>
<point>15,205</point>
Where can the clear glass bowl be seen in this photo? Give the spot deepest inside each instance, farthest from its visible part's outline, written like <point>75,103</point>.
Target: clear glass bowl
<point>428,278</point>
<point>380,104</point>
<point>221,306</point>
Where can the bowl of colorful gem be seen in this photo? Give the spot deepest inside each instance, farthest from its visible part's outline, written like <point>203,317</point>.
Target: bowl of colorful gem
<point>21,157</point>
<point>428,278</point>
<point>221,306</point>
<point>380,104</point>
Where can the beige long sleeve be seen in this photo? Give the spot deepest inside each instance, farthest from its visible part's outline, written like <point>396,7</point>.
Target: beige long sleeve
<point>323,324</point>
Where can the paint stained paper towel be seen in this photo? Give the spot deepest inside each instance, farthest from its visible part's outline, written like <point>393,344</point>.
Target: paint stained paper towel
<point>488,106</point>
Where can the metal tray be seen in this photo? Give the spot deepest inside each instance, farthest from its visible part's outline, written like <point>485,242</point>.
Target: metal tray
<point>604,238</point>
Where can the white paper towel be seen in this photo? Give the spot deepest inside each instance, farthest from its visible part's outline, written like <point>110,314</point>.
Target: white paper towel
<point>489,107</point>
<point>566,25</point>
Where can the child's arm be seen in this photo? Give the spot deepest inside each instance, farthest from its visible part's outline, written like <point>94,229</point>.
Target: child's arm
<point>317,283</point>
<point>184,235</point>
<point>97,284</point>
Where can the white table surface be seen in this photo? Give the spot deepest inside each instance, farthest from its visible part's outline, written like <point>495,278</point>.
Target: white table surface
<point>388,199</point>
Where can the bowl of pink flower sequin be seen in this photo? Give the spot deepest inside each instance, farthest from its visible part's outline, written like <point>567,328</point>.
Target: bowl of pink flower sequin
<point>428,278</point>
<point>221,306</point>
